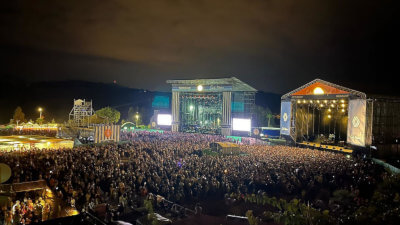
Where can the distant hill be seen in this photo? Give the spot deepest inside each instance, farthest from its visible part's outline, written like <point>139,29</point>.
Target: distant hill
<point>57,97</point>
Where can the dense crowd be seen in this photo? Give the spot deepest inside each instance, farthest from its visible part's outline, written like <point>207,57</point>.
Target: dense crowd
<point>168,164</point>
<point>41,132</point>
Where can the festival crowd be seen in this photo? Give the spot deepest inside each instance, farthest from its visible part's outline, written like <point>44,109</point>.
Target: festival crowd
<point>171,165</point>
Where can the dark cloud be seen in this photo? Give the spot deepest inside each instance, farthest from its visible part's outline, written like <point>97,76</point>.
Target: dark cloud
<point>275,45</point>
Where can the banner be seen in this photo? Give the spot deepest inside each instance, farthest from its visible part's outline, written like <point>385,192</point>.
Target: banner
<point>356,122</point>
<point>106,133</point>
<point>286,108</point>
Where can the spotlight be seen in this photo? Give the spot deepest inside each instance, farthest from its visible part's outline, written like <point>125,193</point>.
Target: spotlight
<point>317,101</point>
<point>322,105</point>
<point>310,101</point>
<point>342,101</point>
<point>326,101</point>
<point>332,105</point>
<point>334,101</point>
<point>343,110</point>
<point>343,105</point>
<point>304,101</point>
<point>329,110</point>
<point>329,116</point>
<point>298,101</point>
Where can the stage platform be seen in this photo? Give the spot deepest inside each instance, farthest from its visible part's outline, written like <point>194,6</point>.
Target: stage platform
<point>326,147</point>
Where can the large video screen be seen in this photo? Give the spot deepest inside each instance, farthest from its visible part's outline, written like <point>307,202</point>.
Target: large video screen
<point>357,122</point>
<point>241,124</point>
<point>164,119</point>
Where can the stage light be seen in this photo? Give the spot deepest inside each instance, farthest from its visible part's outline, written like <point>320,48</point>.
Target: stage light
<point>329,110</point>
<point>332,105</point>
<point>317,101</point>
<point>322,105</point>
<point>298,101</point>
<point>326,101</point>
<point>343,105</point>
<point>343,110</point>
<point>342,101</point>
<point>200,87</point>
<point>318,91</point>
<point>310,101</point>
<point>304,101</point>
<point>334,101</point>
<point>329,116</point>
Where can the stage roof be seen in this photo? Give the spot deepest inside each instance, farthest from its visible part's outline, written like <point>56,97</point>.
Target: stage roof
<point>237,85</point>
<point>326,89</point>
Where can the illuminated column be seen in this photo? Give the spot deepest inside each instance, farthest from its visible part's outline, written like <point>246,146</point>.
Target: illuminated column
<point>226,127</point>
<point>175,111</point>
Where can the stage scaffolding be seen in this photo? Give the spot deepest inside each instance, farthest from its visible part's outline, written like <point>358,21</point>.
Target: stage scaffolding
<point>81,112</point>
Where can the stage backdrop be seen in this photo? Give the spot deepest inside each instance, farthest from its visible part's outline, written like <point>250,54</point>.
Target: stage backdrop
<point>286,108</point>
<point>356,123</point>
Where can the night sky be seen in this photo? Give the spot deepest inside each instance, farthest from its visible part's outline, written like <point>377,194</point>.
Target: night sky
<point>274,45</point>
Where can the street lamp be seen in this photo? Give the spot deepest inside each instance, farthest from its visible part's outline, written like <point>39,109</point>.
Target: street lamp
<point>137,118</point>
<point>40,112</point>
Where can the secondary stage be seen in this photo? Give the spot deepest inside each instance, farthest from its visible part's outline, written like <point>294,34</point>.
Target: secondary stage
<point>27,142</point>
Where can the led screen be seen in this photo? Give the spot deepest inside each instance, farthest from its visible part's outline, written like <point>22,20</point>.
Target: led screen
<point>164,119</point>
<point>160,102</point>
<point>237,107</point>
<point>241,124</point>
